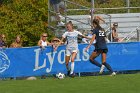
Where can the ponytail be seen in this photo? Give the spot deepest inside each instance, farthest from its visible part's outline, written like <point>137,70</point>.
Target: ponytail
<point>96,21</point>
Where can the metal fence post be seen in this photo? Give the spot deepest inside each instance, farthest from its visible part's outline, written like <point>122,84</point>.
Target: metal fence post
<point>138,34</point>
<point>110,27</point>
<point>92,11</point>
<point>48,12</point>
<point>128,6</point>
<point>65,11</point>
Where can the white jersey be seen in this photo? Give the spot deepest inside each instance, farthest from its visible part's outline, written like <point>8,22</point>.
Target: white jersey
<point>43,43</point>
<point>72,37</point>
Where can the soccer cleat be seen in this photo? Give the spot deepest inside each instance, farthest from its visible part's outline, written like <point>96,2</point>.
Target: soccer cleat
<point>72,75</point>
<point>102,69</point>
<point>113,74</point>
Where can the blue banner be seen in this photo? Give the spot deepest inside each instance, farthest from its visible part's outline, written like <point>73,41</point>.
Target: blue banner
<point>33,61</point>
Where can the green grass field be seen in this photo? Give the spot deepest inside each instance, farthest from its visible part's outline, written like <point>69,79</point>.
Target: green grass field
<point>123,83</point>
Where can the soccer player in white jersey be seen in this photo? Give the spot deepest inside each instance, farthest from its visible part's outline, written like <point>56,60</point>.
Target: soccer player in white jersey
<point>71,37</point>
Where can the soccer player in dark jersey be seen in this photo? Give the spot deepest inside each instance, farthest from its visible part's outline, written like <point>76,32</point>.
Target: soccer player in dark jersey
<point>100,47</point>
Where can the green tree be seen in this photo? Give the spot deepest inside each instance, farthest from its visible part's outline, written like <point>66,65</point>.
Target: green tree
<point>27,18</point>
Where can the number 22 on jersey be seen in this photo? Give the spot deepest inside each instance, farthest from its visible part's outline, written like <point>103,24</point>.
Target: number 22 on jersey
<point>101,33</point>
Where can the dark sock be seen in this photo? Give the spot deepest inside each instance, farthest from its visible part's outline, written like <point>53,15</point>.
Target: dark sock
<point>95,63</point>
<point>67,66</point>
<point>108,67</point>
<point>68,69</point>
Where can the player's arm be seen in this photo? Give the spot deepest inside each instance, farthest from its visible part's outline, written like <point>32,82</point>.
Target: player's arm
<point>91,42</point>
<point>100,18</point>
<point>83,35</point>
<point>61,41</point>
<point>86,37</point>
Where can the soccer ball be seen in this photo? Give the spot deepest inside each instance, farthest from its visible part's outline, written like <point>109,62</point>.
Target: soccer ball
<point>60,76</point>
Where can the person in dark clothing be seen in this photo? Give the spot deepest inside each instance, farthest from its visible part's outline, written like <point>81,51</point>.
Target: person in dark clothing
<point>100,47</point>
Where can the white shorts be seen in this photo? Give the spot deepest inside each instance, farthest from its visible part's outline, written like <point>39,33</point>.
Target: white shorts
<point>70,51</point>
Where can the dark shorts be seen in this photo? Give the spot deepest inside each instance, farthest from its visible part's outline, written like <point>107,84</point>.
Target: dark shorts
<point>101,50</point>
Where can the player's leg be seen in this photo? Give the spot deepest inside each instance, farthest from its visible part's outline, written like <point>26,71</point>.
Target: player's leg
<point>103,61</point>
<point>72,62</point>
<point>92,59</point>
<point>106,64</point>
<point>67,59</point>
<point>67,62</point>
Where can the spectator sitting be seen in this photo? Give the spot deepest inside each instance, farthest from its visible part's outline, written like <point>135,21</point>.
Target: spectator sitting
<point>55,42</point>
<point>17,43</point>
<point>3,43</point>
<point>114,34</point>
<point>43,41</point>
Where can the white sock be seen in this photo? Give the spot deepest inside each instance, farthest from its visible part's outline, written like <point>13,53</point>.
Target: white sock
<point>72,67</point>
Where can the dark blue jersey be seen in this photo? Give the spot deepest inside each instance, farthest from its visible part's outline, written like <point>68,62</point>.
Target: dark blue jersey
<point>100,39</point>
